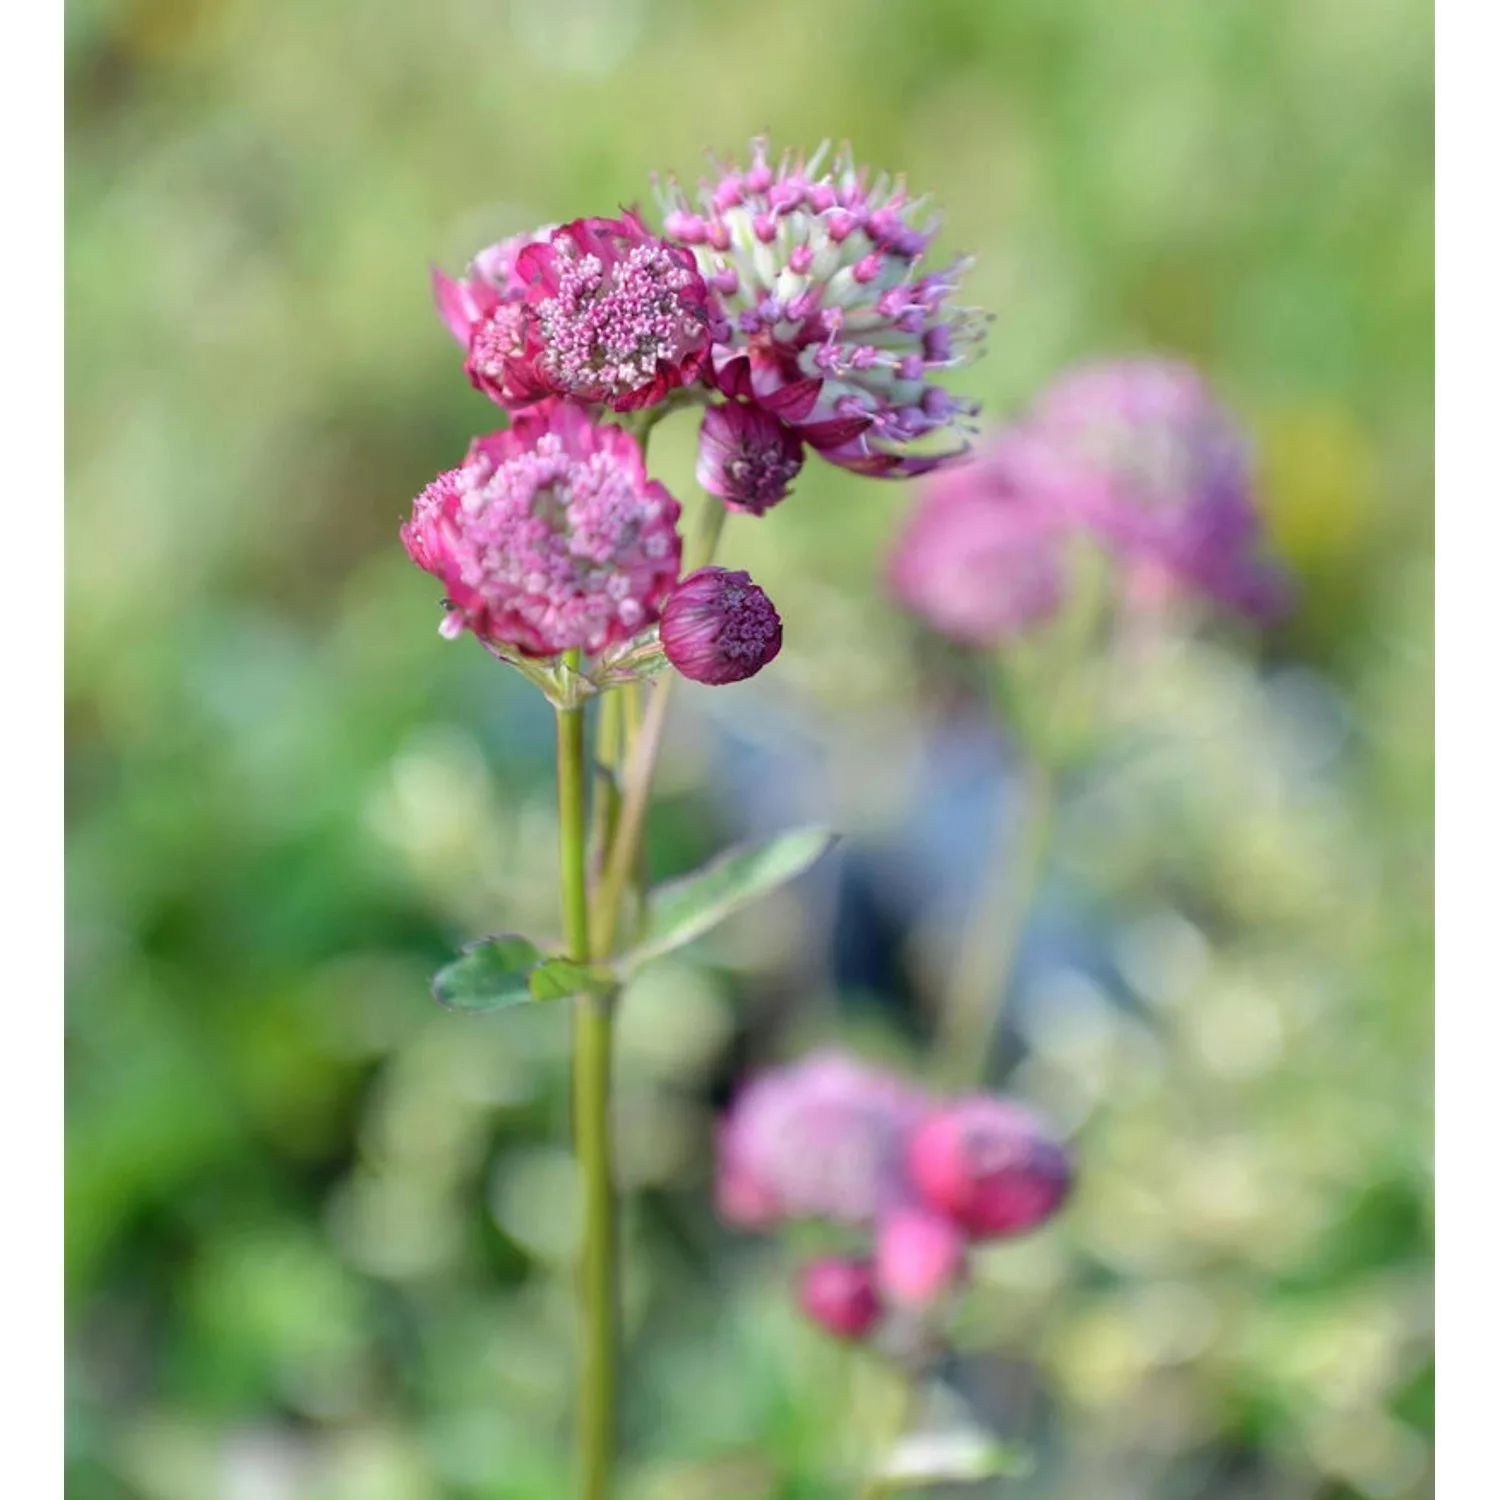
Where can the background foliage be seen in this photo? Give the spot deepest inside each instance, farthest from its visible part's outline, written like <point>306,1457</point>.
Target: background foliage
<point>318,1231</point>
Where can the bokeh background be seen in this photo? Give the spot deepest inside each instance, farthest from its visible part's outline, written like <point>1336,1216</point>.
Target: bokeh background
<point>319,1232</point>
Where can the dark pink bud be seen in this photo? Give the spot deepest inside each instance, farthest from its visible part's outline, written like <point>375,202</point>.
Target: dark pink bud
<point>839,1295</point>
<point>719,627</point>
<point>918,1254</point>
<point>988,1165</point>
<point>747,457</point>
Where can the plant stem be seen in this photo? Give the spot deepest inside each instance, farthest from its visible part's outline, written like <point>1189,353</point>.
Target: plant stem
<point>592,1048</point>
<point>625,852</point>
<point>571,833</point>
<point>591,1145</point>
<point>981,976</point>
<point>609,759</point>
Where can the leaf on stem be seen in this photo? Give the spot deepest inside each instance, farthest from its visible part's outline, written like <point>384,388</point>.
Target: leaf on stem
<point>685,909</point>
<point>497,972</point>
<point>562,979</point>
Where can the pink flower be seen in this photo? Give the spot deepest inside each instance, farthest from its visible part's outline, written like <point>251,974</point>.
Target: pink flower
<point>1163,476</point>
<point>485,310</point>
<point>839,1295</point>
<point>613,314</point>
<point>489,280</point>
<point>747,457</point>
<point>988,1165</point>
<point>549,536</point>
<point>918,1255</point>
<point>981,556</point>
<point>719,627</point>
<point>824,1138</point>
<point>833,327</point>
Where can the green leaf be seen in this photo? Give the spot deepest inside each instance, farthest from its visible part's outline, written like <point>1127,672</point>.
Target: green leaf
<point>685,909</point>
<point>497,972</point>
<point>488,975</point>
<point>561,979</point>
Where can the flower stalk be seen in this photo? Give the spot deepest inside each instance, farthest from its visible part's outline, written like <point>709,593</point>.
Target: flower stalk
<point>640,771</point>
<point>981,976</point>
<point>591,1069</point>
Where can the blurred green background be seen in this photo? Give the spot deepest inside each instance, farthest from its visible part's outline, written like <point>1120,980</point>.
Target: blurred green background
<point>318,1232</point>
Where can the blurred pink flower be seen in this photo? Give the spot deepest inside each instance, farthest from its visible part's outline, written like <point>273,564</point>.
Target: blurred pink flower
<point>981,555</point>
<point>839,1294</point>
<point>1136,455</point>
<point>719,627</point>
<point>832,328</point>
<point>1163,475</point>
<point>989,1165</point>
<point>548,536</point>
<point>824,1138</point>
<point>919,1254</point>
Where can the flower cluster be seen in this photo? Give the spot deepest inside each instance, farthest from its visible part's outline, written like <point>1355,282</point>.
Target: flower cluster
<point>793,308</point>
<point>549,537</point>
<point>829,1138</point>
<point>1136,455</point>
<point>835,327</point>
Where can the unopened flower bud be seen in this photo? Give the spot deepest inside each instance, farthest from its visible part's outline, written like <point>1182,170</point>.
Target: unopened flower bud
<point>719,627</point>
<point>747,457</point>
<point>918,1255</point>
<point>839,1295</point>
<point>989,1166</point>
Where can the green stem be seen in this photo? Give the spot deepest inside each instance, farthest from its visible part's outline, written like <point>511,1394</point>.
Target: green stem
<point>592,1047</point>
<point>623,863</point>
<point>591,1144</point>
<point>609,759</point>
<point>982,974</point>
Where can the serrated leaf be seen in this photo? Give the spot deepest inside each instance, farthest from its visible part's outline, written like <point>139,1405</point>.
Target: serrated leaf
<point>562,979</point>
<point>488,975</point>
<point>685,909</point>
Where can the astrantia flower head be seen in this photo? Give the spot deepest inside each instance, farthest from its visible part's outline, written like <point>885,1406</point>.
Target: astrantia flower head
<point>1163,474</point>
<point>485,310</point>
<point>490,279</point>
<point>549,536</point>
<point>747,457</point>
<point>834,327</point>
<point>981,556</point>
<point>824,1139</point>
<point>614,314</point>
<point>719,627</point>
